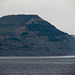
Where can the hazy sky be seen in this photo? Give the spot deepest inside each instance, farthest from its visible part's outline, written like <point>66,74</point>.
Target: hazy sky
<point>60,13</point>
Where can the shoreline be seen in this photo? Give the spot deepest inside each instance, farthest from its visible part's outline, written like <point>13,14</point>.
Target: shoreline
<point>4,57</point>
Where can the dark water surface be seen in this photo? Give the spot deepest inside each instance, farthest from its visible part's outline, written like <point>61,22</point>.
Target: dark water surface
<point>37,65</point>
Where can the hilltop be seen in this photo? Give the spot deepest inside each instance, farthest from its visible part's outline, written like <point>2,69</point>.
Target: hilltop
<point>30,35</point>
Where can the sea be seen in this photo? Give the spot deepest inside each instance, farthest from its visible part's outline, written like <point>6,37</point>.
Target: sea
<point>48,65</point>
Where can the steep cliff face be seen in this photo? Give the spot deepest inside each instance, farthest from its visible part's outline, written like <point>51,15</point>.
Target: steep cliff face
<point>30,35</point>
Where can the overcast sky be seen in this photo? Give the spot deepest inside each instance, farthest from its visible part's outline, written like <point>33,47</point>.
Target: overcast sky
<point>61,13</point>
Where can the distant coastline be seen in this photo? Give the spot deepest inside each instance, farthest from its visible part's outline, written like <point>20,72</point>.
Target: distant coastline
<point>19,57</point>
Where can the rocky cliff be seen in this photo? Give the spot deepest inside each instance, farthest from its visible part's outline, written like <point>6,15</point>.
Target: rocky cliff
<point>30,35</point>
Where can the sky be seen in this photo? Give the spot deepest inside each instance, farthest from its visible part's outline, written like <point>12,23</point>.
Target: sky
<point>60,13</point>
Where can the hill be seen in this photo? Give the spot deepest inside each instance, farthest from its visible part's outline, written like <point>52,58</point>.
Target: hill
<point>73,36</point>
<point>30,35</point>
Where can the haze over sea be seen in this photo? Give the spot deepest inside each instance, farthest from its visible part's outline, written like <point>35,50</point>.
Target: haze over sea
<point>53,65</point>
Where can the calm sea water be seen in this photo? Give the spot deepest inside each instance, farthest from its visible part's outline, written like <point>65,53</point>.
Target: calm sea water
<point>37,65</point>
